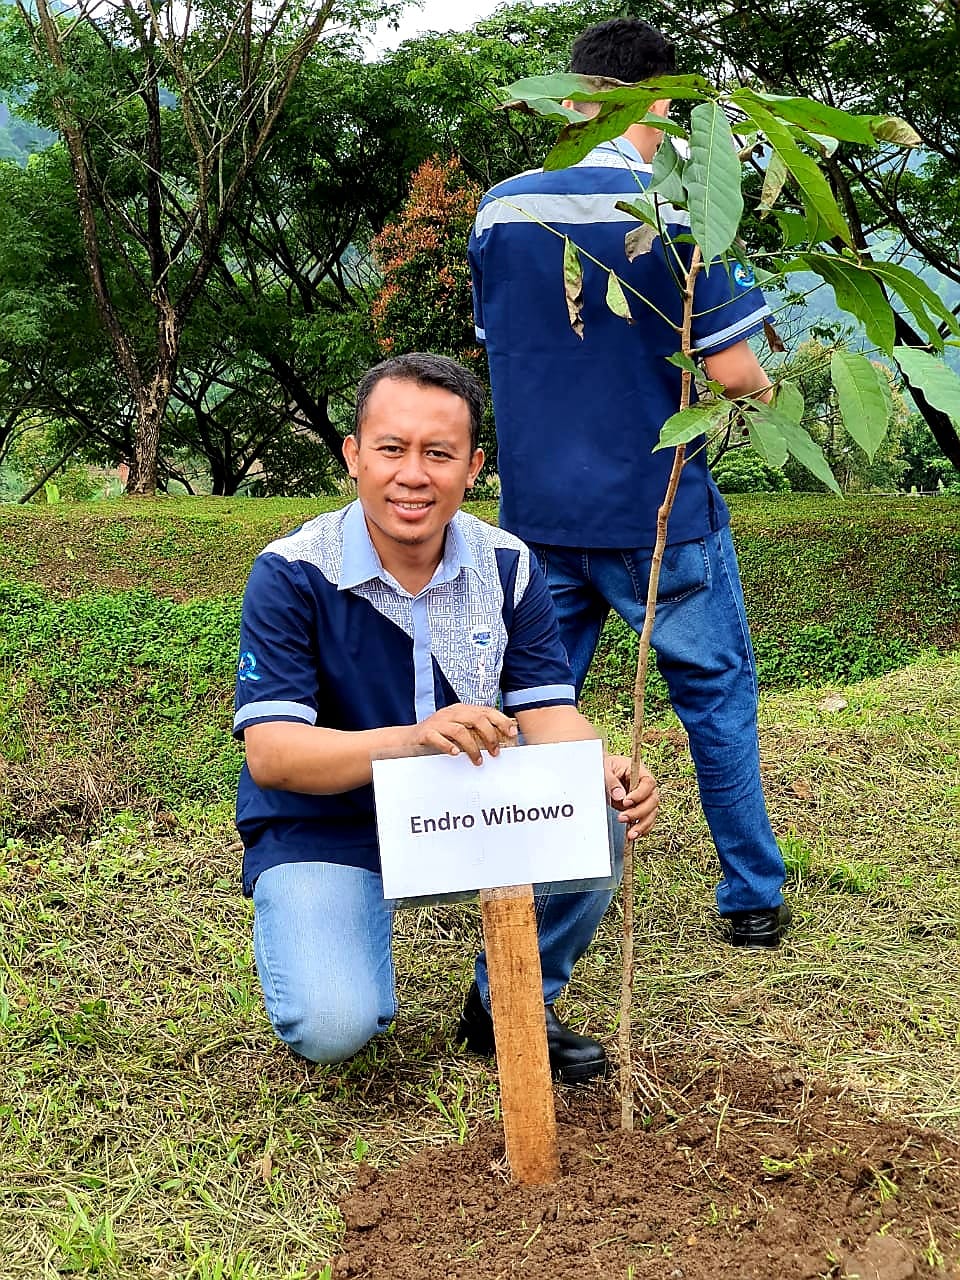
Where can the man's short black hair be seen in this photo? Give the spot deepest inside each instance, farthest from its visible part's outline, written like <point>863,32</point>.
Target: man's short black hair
<point>427,370</point>
<point>623,48</point>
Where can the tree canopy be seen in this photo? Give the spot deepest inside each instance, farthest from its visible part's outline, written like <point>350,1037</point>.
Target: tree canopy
<point>233,208</point>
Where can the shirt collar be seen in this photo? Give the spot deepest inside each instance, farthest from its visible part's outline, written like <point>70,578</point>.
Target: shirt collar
<point>359,561</point>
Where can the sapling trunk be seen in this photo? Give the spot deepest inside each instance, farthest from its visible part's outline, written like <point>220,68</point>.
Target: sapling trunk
<point>639,692</point>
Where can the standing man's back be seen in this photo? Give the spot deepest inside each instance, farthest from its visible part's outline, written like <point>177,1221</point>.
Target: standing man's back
<point>577,419</point>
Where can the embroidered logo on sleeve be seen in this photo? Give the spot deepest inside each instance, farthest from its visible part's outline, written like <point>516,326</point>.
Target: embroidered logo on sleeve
<point>248,667</point>
<point>744,276</point>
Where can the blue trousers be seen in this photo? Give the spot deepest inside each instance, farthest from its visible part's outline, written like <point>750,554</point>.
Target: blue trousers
<point>704,653</point>
<point>322,937</point>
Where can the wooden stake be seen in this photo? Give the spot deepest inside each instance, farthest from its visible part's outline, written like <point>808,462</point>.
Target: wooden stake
<point>516,1000</point>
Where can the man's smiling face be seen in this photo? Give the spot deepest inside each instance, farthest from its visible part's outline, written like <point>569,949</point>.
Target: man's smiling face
<point>412,464</point>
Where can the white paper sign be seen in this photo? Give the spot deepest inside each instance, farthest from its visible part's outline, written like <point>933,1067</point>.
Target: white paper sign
<point>531,814</point>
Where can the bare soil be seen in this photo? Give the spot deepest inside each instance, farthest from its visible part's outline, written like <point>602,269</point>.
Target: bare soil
<point>746,1172</point>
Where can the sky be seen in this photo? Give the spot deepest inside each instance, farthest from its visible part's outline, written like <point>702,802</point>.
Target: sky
<point>434,15</point>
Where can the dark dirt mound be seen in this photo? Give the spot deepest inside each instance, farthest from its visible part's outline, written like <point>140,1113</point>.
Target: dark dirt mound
<point>758,1174</point>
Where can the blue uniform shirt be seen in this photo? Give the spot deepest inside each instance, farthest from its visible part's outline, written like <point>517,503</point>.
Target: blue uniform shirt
<point>329,637</point>
<point>577,418</point>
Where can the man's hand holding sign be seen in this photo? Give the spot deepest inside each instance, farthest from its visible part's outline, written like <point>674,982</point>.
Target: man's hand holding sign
<point>399,627</point>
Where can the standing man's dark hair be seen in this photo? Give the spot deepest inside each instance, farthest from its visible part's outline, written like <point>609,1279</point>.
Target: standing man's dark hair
<point>426,370</point>
<point>624,48</point>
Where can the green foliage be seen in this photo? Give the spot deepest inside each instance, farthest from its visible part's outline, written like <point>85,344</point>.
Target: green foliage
<point>280,333</point>
<point>744,471</point>
<point>926,468</point>
<point>840,390</point>
<point>157,673</point>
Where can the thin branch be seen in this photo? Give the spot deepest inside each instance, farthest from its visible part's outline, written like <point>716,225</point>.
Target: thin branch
<point>639,695</point>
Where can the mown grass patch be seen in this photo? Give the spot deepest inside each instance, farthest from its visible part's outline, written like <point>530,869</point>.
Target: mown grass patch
<point>150,1126</point>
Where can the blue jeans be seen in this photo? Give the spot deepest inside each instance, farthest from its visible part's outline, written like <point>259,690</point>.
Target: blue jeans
<point>704,653</point>
<point>322,937</point>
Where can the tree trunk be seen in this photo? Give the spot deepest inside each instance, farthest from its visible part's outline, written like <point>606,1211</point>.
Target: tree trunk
<point>940,424</point>
<point>153,400</point>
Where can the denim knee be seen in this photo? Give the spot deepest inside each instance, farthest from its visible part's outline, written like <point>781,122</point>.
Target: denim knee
<point>321,1034</point>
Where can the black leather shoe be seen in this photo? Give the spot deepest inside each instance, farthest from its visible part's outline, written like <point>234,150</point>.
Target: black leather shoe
<point>762,928</point>
<point>573,1058</point>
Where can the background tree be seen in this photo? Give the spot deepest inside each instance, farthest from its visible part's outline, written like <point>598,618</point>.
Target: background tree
<point>926,469</point>
<point>102,77</point>
<point>56,371</point>
<point>270,348</point>
<point>809,367</point>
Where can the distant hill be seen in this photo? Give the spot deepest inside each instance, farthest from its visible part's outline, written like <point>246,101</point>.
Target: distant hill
<point>821,310</point>
<point>18,139</point>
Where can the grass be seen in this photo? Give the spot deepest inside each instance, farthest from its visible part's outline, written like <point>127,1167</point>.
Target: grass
<point>150,1125</point>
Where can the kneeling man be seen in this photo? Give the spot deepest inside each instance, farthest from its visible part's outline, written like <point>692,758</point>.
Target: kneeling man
<point>394,624</point>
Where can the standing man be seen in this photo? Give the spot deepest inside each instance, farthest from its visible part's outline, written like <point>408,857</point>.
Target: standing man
<point>393,625</point>
<point>577,419</point>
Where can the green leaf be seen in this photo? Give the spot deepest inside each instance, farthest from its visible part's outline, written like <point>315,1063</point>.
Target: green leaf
<point>578,140</point>
<point>683,361</point>
<point>665,125</point>
<point>617,299</point>
<point>766,436</point>
<point>856,290</point>
<point>893,129</point>
<point>818,199</point>
<point>793,227</point>
<point>939,385</point>
<point>533,89</point>
<point>689,424</point>
<point>597,89</point>
<point>773,180</point>
<point>578,88</point>
<point>573,285</point>
<point>789,402</point>
<point>546,107</point>
<point>927,307</point>
<point>809,454</point>
<point>620,106</point>
<point>644,210</point>
<point>863,394</point>
<point>667,175</point>
<point>712,178</point>
<point>817,117</point>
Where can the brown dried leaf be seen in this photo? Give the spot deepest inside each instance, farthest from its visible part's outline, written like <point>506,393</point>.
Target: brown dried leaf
<point>774,341</point>
<point>266,1166</point>
<point>573,285</point>
<point>802,789</point>
<point>638,242</point>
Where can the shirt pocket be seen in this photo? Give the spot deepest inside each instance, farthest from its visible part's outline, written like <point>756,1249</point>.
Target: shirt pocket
<point>469,650</point>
